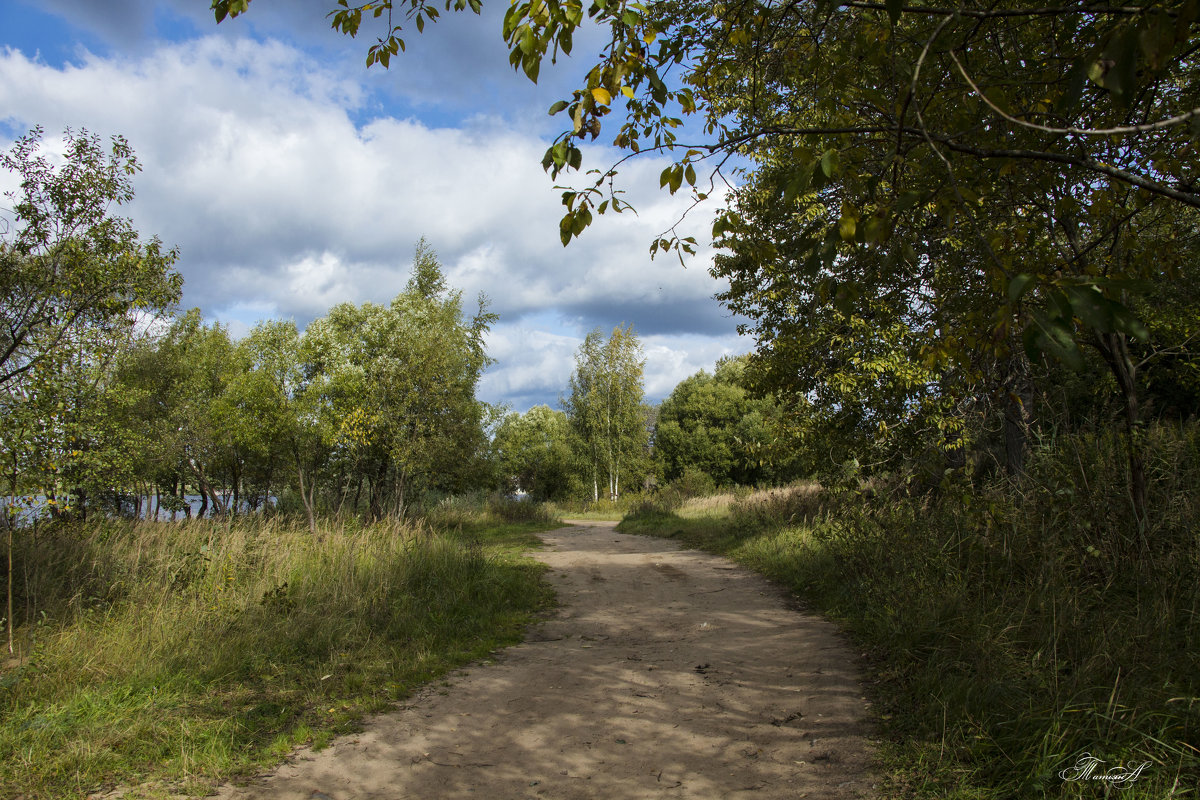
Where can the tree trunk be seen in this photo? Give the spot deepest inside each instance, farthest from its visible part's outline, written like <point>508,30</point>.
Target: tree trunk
<point>218,503</point>
<point>378,487</point>
<point>401,492</point>
<point>307,499</point>
<point>237,495</point>
<point>1018,398</point>
<point>9,525</point>
<point>1114,347</point>
<point>81,493</point>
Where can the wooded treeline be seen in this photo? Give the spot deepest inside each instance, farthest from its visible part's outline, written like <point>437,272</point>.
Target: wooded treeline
<point>115,403</point>
<point>958,233</point>
<point>873,365</point>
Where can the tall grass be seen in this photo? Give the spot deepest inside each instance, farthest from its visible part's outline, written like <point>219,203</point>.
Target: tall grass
<point>1008,629</point>
<point>486,510</point>
<point>180,654</point>
<point>602,509</point>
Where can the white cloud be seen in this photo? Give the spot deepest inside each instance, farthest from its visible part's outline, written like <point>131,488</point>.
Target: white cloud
<point>671,358</point>
<point>533,365</point>
<point>282,205</point>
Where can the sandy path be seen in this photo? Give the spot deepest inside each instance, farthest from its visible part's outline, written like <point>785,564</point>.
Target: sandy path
<point>664,673</point>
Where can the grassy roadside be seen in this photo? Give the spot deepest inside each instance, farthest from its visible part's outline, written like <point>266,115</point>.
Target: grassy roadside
<point>598,510</point>
<point>1006,637</point>
<point>171,656</point>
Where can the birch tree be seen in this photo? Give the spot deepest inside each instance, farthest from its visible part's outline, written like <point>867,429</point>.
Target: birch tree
<point>605,405</point>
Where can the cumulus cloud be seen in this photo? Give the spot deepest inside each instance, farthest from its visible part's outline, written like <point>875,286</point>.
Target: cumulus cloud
<point>534,365</point>
<point>286,194</point>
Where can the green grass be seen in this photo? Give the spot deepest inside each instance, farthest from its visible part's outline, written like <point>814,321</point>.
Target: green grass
<point>602,510</point>
<point>597,514</point>
<point>172,656</point>
<point>1007,629</point>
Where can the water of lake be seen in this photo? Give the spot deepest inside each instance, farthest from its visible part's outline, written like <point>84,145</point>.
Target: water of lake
<point>30,509</point>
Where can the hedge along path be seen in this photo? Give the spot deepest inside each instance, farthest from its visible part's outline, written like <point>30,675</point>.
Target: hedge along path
<point>664,673</point>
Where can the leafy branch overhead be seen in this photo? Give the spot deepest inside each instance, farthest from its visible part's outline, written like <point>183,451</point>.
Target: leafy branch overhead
<point>1072,70</point>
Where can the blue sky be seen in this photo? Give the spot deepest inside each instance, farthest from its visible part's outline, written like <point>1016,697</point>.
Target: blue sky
<point>292,178</point>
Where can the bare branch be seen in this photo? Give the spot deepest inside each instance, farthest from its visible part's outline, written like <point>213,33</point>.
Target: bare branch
<point>1153,126</point>
<point>1045,11</point>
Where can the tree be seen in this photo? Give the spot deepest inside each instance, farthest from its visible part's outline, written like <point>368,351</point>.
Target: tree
<point>185,413</point>
<point>534,453</point>
<point>605,405</point>
<point>72,279</point>
<point>1033,156</point>
<point>714,424</point>
<point>989,243</point>
<point>75,282</point>
<point>267,395</point>
<point>1050,84</point>
<point>66,263</point>
<point>390,391</point>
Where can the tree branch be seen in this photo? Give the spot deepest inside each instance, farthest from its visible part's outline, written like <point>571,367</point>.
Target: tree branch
<point>1146,128</point>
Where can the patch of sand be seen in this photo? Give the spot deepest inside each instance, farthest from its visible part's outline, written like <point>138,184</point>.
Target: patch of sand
<point>664,673</point>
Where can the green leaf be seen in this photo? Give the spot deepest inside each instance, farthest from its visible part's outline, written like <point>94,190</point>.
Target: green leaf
<point>1116,69</point>
<point>894,9</point>
<point>1018,286</point>
<point>1092,307</point>
<point>720,225</point>
<point>829,163</point>
<point>907,200</point>
<point>1125,322</point>
<point>1053,338</point>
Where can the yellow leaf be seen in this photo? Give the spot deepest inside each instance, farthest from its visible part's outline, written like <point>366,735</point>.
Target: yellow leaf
<point>627,91</point>
<point>601,95</point>
<point>847,228</point>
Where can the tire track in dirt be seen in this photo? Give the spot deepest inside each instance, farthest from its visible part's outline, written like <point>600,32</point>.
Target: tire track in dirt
<point>665,673</point>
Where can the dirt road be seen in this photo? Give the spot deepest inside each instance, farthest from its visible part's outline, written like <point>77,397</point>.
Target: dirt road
<point>664,673</point>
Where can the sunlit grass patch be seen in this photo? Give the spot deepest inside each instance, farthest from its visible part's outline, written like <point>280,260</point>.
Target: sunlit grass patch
<point>181,654</point>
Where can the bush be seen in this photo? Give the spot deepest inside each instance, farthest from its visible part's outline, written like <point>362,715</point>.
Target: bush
<point>476,508</point>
